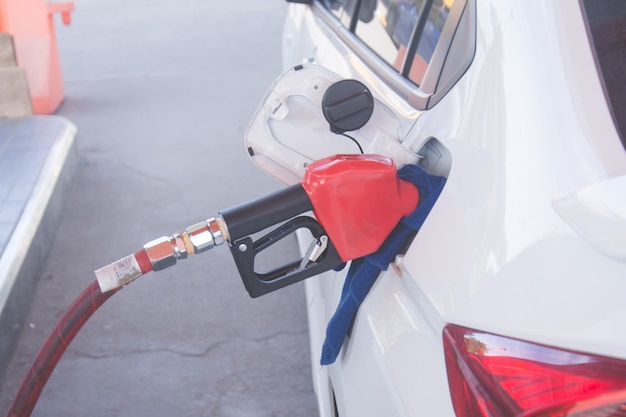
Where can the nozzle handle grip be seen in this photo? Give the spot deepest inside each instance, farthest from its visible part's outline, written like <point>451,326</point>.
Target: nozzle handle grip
<point>245,250</point>
<point>259,214</point>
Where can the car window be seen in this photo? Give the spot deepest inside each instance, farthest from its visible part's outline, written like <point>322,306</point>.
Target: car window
<point>389,26</point>
<point>437,16</point>
<point>337,7</point>
<point>400,21</point>
<point>430,43</point>
<point>606,20</point>
<point>390,32</point>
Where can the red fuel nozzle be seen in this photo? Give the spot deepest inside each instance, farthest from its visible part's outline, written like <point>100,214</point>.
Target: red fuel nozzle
<point>358,199</point>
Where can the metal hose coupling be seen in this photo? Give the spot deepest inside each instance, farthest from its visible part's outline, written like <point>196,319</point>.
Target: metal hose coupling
<point>162,253</point>
<point>200,237</point>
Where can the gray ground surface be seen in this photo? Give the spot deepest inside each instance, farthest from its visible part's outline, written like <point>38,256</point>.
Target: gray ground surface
<point>161,93</point>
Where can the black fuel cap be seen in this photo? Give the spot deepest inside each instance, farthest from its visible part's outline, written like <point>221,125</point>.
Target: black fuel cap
<point>347,105</point>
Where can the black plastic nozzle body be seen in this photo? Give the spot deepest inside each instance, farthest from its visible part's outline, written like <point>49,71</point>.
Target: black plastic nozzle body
<point>283,211</point>
<point>259,214</point>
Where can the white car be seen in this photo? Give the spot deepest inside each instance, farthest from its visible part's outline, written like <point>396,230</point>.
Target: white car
<point>511,299</point>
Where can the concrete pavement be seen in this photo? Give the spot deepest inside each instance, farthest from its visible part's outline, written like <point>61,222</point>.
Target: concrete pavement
<point>161,93</point>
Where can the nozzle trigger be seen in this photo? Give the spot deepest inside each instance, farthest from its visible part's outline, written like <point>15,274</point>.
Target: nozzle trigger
<point>316,249</point>
<point>321,256</point>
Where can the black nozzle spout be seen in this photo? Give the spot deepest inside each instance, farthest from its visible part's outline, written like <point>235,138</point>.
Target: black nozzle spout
<point>259,214</point>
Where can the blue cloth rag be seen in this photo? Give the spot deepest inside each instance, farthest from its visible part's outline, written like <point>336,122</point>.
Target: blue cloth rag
<point>363,271</point>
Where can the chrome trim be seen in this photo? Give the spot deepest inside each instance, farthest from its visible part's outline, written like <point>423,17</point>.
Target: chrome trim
<point>437,61</point>
<point>459,54</point>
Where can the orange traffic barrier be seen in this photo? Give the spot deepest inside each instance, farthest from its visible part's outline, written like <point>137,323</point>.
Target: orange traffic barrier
<point>31,23</point>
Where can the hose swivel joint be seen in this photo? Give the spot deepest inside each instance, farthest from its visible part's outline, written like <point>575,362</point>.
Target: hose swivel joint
<point>200,237</point>
<point>205,235</point>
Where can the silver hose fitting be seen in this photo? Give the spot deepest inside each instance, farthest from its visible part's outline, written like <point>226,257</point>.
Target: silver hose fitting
<point>200,237</point>
<point>178,243</point>
<point>160,253</point>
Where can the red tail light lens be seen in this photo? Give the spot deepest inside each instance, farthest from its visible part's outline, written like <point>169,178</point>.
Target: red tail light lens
<point>491,375</point>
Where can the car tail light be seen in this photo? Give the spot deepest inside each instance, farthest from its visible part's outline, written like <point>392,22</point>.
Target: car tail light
<point>491,375</point>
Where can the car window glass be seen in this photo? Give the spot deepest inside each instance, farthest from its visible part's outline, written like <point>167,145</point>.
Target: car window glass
<point>607,20</point>
<point>412,37</point>
<point>335,6</point>
<point>437,17</point>
<point>388,26</point>
<point>342,9</point>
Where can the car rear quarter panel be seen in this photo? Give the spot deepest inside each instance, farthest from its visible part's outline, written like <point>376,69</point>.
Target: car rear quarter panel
<point>526,123</point>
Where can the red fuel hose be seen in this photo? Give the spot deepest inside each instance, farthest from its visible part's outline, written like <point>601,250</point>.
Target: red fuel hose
<point>53,348</point>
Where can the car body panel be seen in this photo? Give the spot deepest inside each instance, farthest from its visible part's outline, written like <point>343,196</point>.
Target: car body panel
<point>525,125</point>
